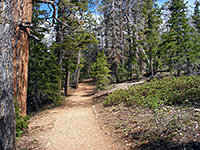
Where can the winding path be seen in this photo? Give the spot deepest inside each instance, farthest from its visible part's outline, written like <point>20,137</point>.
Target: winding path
<point>73,126</point>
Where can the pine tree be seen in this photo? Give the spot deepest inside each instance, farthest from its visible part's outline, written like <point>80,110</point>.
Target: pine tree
<point>43,70</point>
<point>22,16</point>
<point>196,45</point>
<point>101,72</point>
<point>196,15</point>
<point>151,39</point>
<point>7,113</point>
<point>176,46</point>
<point>72,39</point>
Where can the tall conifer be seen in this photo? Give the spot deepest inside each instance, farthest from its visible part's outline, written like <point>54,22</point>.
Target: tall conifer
<point>43,72</point>
<point>196,15</point>
<point>176,47</point>
<point>151,39</point>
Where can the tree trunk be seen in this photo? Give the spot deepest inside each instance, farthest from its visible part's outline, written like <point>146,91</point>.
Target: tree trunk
<point>116,72</point>
<point>77,73</point>
<point>88,71</point>
<point>131,53</point>
<point>59,40</point>
<point>7,114</point>
<point>188,68</point>
<point>22,16</point>
<point>121,33</point>
<point>67,81</point>
<point>151,61</point>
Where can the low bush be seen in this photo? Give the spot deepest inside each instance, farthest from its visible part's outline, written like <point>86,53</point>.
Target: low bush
<point>167,91</point>
<point>21,122</point>
<point>162,111</point>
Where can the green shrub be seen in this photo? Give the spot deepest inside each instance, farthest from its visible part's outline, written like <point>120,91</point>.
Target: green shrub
<point>167,91</point>
<point>21,122</point>
<point>162,122</point>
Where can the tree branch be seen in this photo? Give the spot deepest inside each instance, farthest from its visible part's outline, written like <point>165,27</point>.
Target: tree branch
<point>51,2</point>
<point>35,37</point>
<point>66,25</point>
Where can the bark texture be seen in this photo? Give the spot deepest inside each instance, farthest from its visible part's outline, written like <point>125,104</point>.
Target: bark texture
<point>77,73</point>
<point>7,115</point>
<point>22,17</point>
<point>67,81</point>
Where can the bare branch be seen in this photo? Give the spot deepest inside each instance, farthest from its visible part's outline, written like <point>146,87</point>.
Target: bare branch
<point>51,2</point>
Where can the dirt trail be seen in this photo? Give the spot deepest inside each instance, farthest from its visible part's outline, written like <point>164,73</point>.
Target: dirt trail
<point>72,126</point>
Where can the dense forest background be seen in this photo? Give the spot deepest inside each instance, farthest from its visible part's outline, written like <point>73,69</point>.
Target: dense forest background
<point>112,41</point>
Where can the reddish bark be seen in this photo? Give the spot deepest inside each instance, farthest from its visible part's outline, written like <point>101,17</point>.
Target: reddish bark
<point>22,16</point>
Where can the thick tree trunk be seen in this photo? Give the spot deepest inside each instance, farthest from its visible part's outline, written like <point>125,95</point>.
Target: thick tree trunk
<point>77,73</point>
<point>7,114</point>
<point>22,16</point>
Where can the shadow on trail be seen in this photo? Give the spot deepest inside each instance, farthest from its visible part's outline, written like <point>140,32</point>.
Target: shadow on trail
<point>90,81</point>
<point>82,97</point>
<point>76,104</point>
<point>91,93</point>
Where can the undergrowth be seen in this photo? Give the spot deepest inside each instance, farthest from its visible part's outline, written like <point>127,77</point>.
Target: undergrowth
<point>167,91</point>
<point>21,122</point>
<point>169,110</point>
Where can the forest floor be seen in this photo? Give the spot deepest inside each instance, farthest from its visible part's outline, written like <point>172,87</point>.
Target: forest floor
<point>72,126</point>
<point>83,123</point>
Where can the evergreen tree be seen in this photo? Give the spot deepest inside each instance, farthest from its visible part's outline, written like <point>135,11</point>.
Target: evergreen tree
<point>101,72</point>
<point>71,40</point>
<point>196,15</point>
<point>43,71</point>
<point>176,48</point>
<point>196,45</point>
<point>7,113</point>
<point>151,36</point>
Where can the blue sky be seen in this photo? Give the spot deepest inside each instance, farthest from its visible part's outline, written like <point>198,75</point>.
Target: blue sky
<point>190,2</point>
<point>159,2</point>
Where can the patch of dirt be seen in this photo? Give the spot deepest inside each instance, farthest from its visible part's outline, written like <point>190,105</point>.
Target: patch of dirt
<point>138,128</point>
<point>72,126</point>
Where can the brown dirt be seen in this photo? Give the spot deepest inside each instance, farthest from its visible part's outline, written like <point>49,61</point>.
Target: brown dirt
<point>72,126</point>
<point>137,128</point>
